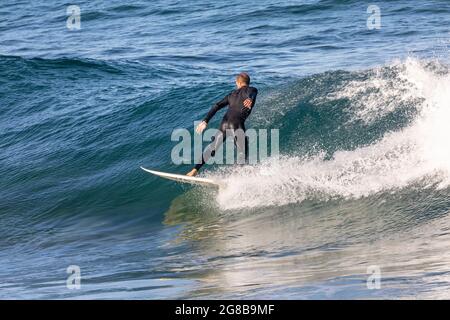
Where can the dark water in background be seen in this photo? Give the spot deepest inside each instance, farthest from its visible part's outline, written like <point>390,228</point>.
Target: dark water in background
<point>364,177</point>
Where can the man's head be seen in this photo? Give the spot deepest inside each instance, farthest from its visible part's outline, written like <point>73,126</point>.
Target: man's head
<point>242,80</point>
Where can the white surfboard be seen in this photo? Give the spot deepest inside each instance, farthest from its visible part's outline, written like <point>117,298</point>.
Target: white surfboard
<point>184,179</point>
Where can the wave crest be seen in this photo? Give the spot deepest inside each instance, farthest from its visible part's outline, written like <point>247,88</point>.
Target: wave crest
<point>416,153</point>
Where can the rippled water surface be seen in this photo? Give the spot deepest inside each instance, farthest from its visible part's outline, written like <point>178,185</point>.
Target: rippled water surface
<point>362,183</point>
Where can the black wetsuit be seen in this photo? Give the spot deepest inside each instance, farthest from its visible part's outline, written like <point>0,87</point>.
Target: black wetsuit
<point>234,119</point>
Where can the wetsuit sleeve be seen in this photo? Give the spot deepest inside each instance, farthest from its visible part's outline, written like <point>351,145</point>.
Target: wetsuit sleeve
<point>219,105</point>
<point>253,93</point>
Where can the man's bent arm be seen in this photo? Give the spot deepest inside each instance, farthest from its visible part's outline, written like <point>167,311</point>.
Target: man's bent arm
<point>252,95</point>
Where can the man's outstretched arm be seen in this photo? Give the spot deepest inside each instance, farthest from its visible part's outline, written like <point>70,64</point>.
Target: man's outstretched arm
<point>219,105</point>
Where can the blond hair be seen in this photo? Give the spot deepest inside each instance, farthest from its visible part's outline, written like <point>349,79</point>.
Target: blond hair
<point>243,77</point>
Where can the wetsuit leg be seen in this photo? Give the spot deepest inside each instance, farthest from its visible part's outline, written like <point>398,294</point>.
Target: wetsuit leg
<point>219,139</point>
<point>241,143</point>
<point>236,131</point>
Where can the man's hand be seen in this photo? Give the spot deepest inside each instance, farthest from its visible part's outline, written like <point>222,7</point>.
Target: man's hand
<point>201,126</point>
<point>248,103</point>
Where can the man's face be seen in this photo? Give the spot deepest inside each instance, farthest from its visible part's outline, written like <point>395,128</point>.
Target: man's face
<point>238,84</point>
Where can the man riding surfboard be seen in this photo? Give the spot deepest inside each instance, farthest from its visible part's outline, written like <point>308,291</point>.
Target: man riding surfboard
<point>240,103</point>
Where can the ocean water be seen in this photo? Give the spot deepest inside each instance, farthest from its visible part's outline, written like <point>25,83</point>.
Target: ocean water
<point>362,186</point>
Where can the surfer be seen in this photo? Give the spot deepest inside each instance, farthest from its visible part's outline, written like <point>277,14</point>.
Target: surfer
<point>240,103</point>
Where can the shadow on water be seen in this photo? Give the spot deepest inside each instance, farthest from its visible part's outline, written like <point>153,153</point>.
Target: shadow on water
<point>197,212</point>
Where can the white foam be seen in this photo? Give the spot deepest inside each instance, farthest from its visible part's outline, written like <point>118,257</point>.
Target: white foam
<point>420,151</point>
<point>376,96</point>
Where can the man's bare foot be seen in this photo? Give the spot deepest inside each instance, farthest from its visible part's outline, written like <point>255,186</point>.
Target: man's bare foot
<point>192,173</point>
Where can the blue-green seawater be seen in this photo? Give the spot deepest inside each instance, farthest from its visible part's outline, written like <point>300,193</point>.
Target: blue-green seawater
<point>362,182</point>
